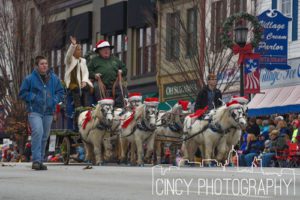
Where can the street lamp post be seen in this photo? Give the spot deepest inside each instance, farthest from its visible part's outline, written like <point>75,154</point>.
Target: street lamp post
<point>241,33</point>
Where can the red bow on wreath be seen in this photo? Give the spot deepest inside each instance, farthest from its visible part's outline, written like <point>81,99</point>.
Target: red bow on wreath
<point>244,52</point>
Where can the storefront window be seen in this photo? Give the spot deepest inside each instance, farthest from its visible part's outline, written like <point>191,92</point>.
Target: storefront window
<point>84,48</point>
<point>191,43</point>
<point>218,16</point>
<point>120,46</point>
<point>172,36</point>
<point>58,53</point>
<point>286,8</point>
<point>146,50</point>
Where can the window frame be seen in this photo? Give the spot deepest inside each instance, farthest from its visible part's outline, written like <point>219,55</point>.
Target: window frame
<point>173,36</point>
<point>122,52</point>
<point>218,16</point>
<point>145,51</point>
<point>191,47</point>
<point>291,7</point>
<point>290,29</point>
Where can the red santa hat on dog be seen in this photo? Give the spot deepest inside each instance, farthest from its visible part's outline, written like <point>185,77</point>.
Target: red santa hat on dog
<point>106,101</point>
<point>151,101</point>
<point>102,44</point>
<point>233,104</point>
<point>241,100</point>
<point>184,104</point>
<point>135,96</point>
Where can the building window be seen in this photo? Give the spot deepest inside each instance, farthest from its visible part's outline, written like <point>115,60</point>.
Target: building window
<point>218,16</point>
<point>146,51</point>
<point>120,46</point>
<point>85,48</point>
<point>56,62</point>
<point>173,36</point>
<point>286,7</point>
<point>53,60</point>
<point>191,43</point>
<point>62,64</point>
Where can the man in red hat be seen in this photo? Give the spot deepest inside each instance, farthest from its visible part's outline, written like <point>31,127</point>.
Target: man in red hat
<point>108,68</point>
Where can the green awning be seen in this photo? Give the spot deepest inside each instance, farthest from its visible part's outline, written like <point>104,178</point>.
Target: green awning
<point>165,106</point>
<point>150,94</point>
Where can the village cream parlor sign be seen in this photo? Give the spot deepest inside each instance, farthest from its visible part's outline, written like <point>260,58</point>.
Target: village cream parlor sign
<point>182,89</point>
<point>273,47</point>
<point>275,69</point>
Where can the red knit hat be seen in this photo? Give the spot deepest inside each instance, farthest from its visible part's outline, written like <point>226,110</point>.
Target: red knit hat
<point>102,44</point>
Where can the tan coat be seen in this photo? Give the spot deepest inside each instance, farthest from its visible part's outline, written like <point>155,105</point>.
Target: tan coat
<point>71,62</point>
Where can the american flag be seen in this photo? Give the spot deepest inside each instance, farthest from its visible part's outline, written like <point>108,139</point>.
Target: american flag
<point>251,76</point>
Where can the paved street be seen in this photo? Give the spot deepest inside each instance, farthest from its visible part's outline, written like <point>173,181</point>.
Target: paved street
<point>18,181</point>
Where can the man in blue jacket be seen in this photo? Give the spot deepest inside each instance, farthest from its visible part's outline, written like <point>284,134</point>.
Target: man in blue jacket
<point>253,149</point>
<point>41,91</point>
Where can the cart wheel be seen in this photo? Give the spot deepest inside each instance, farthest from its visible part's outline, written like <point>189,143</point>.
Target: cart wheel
<point>65,150</point>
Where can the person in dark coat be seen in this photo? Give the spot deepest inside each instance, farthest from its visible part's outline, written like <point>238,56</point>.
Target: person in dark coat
<point>253,128</point>
<point>209,95</point>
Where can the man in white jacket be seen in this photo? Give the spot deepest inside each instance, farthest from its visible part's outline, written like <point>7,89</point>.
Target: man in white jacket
<point>77,75</point>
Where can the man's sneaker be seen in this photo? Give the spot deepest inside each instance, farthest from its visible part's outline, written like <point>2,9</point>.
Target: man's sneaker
<point>43,167</point>
<point>36,166</point>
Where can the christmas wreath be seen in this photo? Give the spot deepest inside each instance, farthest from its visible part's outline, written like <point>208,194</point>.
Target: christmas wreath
<point>240,18</point>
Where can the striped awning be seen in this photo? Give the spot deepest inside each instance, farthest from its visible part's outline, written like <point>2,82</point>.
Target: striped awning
<point>275,101</point>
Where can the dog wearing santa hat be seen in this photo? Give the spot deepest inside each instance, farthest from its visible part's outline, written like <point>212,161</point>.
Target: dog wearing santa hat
<point>227,122</point>
<point>170,125</point>
<point>139,129</point>
<point>94,126</point>
<point>134,100</point>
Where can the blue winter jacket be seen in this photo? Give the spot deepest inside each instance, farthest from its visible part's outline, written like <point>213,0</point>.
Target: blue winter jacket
<point>255,147</point>
<point>41,97</point>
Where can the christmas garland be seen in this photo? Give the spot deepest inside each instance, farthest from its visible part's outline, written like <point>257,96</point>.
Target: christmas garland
<point>240,18</point>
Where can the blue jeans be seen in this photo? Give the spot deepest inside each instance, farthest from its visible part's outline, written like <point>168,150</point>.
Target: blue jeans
<point>249,158</point>
<point>70,112</point>
<point>246,159</point>
<point>40,126</point>
<point>266,159</point>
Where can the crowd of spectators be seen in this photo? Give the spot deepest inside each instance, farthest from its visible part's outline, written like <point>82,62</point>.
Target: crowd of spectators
<point>265,137</point>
